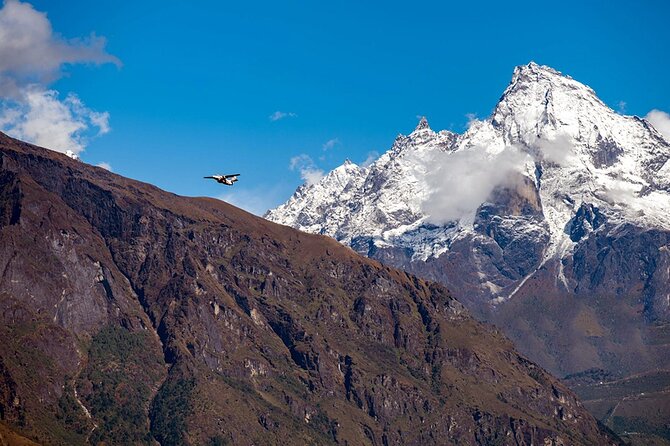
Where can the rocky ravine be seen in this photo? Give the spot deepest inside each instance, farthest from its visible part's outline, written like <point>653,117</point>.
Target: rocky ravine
<point>189,321</point>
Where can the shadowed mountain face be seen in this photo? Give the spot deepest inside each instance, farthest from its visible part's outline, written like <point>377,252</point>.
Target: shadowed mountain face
<point>131,315</point>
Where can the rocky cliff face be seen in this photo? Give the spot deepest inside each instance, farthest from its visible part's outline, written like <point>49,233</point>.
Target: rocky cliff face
<point>555,200</point>
<point>131,315</point>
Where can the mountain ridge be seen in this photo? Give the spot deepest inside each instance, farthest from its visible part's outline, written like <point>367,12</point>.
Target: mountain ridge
<point>552,173</point>
<point>537,131</point>
<point>550,219</point>
<point>189,321</point>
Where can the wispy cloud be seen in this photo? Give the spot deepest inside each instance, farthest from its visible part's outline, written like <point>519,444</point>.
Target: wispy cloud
<point>257,201</point>
<point>472,118</point>
<point>330,144</point>
<point>559,150</point>
<point>31,57</point>
<point>309,172</point>
<point>661,122</point>
<point>105,165</point>
<point>371,158</point>
<point>276,116</point>
<point>42,118</point>
<point>461,181</point>
<point>622,107</point>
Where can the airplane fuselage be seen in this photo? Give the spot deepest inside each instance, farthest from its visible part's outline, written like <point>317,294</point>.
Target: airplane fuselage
<point>228,180</point>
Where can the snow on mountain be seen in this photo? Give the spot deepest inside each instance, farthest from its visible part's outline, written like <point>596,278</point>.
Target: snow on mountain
<point>381,201</point>
<point>550,143</point>
<point>621,162</point>
<point>551,219</point>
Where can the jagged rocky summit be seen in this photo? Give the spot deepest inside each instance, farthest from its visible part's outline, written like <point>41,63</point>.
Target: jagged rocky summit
<point>551,218</point>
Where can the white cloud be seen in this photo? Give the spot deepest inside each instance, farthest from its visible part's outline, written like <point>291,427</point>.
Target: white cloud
<point>276,116</point>
<point>97,119</point>
<point>620,192</point>
<point>472,118</point>
<point>105,165</point>
<point>461,181</point>
<point>32,56</point>
<point>622,107</point>
<point>558,150</point>
<point>42,118</point>
<point>309,172</point>
<point>371,158</point>
<point>330,144</point>
<point>31,53</point>
<point>8,115</point>
<point>661,122</point>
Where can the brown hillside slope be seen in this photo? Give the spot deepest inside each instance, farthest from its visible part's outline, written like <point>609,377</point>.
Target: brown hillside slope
<point>132,315</point>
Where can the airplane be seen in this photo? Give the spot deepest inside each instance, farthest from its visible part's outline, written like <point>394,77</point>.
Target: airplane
<point>228,180</point>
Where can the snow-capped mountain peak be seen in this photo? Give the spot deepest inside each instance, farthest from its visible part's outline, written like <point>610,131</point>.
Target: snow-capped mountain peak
<point>550,218</point>
<point>422,125</point>
<point>541,101</point>
<point>549,147</point>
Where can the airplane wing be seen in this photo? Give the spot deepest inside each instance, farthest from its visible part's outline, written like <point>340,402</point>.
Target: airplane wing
<point>232,175</point>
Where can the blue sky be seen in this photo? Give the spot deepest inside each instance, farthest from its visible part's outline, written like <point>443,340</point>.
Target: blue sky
<point>194,84</point>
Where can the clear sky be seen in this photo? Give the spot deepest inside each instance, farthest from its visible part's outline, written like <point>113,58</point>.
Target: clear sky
<point>192,87</point>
